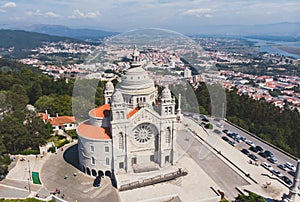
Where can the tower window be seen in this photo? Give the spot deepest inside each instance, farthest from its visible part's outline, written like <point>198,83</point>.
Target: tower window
<point>107,149</point>
<point>121,141</point>
<point>107,161</point>
<point>92,148</point>
<point>93,161</point>
<point>168,135</point>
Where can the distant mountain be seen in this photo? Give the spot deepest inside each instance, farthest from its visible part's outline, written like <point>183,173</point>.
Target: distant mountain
<point>24,41</point>
<point>60,30</point>
<point>279,29</point>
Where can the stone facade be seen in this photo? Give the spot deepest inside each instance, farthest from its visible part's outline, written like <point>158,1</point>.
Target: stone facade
<point>134,131</point>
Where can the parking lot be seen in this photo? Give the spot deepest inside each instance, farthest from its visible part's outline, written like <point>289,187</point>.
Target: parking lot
<point>261,154</point>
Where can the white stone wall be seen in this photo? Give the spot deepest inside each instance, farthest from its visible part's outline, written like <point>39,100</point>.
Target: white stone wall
<point>97,149</point>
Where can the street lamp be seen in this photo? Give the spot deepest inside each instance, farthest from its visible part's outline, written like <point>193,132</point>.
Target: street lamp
<point>29,170</point>
<point>29,185</point>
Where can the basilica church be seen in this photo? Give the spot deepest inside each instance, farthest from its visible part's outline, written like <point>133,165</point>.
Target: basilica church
<point>134,131</point>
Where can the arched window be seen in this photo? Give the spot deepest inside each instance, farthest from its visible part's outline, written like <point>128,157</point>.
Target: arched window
<point>107,161</point>
<point>168,135</point>
<point>93,161</point>
<point>121,141</point>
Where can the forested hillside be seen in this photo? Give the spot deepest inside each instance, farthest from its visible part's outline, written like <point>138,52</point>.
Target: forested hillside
<point>20,130</point>
<point>279,127</point>
<point>23,41</point>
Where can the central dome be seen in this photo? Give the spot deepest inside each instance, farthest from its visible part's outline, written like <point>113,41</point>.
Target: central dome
<point>136,80</point>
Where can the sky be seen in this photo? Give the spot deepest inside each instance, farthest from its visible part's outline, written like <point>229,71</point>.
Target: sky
<point>124,15</point>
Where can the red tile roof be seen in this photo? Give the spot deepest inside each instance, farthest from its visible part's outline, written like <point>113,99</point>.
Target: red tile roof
<point>88,130</point>
<point>132,112</point>
<point>44,116</point>
<point>61,120</point>
<point>102,111</point>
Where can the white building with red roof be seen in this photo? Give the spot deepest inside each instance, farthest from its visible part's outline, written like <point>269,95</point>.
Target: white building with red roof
<point>59,122</point>
<point>134,131</point>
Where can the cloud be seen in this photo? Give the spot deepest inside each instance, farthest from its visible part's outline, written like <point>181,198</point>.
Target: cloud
<point>46,14</point>
<point>2,11</point>
<point>78,14</point>
<point>52,14</point>
<point>9,5</point>
<point>205,12</point>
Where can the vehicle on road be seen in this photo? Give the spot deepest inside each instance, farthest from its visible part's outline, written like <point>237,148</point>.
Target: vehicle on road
<point>225,138</point>
<point>267,166</point>
<point>250,143</point>
<point>243,138</point>
<point>245,151</point>
<point>273,160</point>
<point>253,149</point>
<point>290,166</point>
<point>253,157</point>
<point>277,173</point>
<point>283,167</point>
<point>287,180</point>
<point>97,181</point>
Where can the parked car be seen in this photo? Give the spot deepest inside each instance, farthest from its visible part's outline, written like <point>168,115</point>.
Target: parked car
<point>205,120</point>
<point>270,154</point>
<point>253,157</point>
<point>273,160</point>
<point>245,151</point>
<point>290,166</point>
<point>250,143</point>
<point>217,131</point>
<point>232,143</point>
<point>225,138</point>
<point>239,139</point>
<point>283,167</point>
<point>292,173</point>
<point>287,180</point>
<point>277,173</point>
<point>243,138</point>
<point>264,154</point>
<point>225,131</point>
<point>267,166</point>
<point>253,149</point>
<point>219,125</point>
<point>259,148</point>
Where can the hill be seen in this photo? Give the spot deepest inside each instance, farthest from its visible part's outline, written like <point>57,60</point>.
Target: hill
<point>60,30</point>
<point>24,41</point>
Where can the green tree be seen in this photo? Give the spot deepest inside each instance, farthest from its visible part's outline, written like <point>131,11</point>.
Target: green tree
<point>252,197</point>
